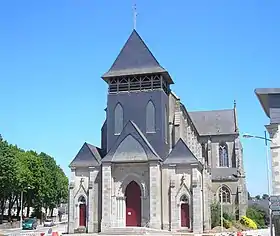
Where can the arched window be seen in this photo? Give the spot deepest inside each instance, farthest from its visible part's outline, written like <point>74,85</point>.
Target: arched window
<point>150,118</point>
<point>204,152</point>
<point>82,200</point>
<point>224,195</point>
<point>184,199</point>
<point>118,119</point>
<point>223,155</point>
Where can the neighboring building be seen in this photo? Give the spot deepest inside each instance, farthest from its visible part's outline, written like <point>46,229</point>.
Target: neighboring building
<point>159,166</point>
<point>270,101</point>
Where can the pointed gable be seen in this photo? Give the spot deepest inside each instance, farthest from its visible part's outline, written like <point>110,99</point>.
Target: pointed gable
<point>131,146</point>
<point>88,155</point>
<point>135,58</point>
<point>181,154</point>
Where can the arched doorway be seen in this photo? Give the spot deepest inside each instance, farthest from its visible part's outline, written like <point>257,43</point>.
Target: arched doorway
<point>82,211</point>
<point>133,204</point>
<point>185,212</point>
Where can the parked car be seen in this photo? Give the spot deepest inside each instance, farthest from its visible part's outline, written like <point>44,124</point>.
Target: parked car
<point>29,224</point>
<point>48,223</point>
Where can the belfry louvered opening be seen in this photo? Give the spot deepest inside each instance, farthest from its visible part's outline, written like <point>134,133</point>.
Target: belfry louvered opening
<point>138,83</point>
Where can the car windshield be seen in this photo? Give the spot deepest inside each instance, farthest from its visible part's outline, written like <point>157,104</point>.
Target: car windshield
<point>28,221</point>
<point>48,220</point>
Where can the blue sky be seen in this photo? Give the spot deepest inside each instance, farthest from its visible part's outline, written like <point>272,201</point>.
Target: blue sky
<point>54,52</point>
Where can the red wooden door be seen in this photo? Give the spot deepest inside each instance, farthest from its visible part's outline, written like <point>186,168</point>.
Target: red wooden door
<point>133,204</point>
<point>82,215</point>
<point>185,215</point>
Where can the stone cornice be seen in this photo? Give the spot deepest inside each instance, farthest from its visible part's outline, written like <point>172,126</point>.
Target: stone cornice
<point>273,130</point>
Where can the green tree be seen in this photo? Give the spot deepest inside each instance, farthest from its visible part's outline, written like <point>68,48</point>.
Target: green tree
<point>249,196</point>
<point>265,196</point>
<point>42,182</point>
<point>257,214</point>
<point>7,174</point>
<point>258,197</point>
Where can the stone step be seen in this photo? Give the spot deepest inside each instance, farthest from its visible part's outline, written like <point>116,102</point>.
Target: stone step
<point>134,231</point>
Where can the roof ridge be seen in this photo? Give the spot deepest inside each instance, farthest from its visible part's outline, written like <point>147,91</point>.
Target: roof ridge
<point>226,109</point>
<point>186,157</point>
<point>144,138</point>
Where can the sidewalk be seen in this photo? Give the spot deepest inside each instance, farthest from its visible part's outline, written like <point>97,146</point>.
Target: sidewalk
<point>39,226</point>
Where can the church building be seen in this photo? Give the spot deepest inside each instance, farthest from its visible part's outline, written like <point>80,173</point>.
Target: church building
<point>159,166</point>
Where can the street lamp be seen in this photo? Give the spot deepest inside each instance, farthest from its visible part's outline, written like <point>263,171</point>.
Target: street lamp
<point>21,207</point>
<point>267,172</point>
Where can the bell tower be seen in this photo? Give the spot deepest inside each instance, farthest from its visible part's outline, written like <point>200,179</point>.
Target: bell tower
<point>138,89</point>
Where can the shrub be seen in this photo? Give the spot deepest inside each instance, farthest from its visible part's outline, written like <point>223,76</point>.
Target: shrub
<point>226,223</point>
<point>228,216</point>
<point>258,215</point>
<point>215,215</point>
<point>248,222</point>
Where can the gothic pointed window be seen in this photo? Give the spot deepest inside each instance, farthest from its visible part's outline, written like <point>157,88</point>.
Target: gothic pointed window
<point>150,118</point>
<point>118,119</point>
<point>223,155</point>
<point>224,195</point>
<point>204,152</point>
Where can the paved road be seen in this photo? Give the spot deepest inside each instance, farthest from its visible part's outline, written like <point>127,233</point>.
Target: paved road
<point>59,227</point>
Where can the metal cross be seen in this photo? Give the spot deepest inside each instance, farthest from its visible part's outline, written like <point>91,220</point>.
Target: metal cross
<point>134,16</point>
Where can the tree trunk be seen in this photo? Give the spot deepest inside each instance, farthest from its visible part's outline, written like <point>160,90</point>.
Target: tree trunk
<point>28,211</point>
<point>18,208</point>
<point>10,206</point>
<point>2,208</point>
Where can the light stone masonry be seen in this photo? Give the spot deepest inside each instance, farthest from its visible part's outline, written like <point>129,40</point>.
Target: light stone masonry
<point>155,196</point>
<point>106,196</point>
<point>274,132</point>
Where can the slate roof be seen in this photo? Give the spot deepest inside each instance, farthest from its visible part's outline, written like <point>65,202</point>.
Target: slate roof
<point>135,58</point>
<point>263,203</point>
<point>181,154</point>
<point>132,129</point>
<point>224,173</point>
<point>215,122</point>
<point>88,155</point>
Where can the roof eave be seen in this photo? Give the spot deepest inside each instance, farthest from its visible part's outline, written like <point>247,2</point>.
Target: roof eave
<point>262,99</point>
<point>262,95</point>
<point>131,72</point>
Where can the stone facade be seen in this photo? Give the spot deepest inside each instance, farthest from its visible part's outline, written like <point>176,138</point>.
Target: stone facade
<point>159,166</point>
<point>270,100</point>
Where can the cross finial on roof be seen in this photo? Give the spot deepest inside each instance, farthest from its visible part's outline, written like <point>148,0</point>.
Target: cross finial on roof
<point>234,103</point>
<point>134,16</point>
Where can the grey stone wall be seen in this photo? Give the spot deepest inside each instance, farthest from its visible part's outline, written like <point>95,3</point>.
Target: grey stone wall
<point>197,202</point>
<point>106,197</point>
<point>155,195</point>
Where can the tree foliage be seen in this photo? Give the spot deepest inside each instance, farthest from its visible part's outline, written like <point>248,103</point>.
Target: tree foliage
<point>258,215</point>
<point>41,180</point>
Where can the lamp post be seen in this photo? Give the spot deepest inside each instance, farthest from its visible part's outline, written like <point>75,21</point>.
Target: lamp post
<point>268,172</point>
<point>21,207</point>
